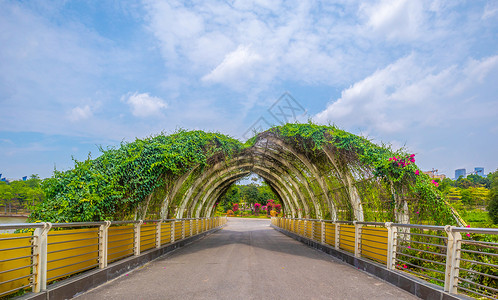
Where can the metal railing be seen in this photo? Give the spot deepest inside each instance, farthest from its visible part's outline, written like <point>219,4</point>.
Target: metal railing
<point>459,259</point>
<point>47,252</point>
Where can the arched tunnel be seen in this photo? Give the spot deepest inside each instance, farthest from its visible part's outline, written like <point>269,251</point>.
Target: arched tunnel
<point>326,183</point>
<point>318,172</point>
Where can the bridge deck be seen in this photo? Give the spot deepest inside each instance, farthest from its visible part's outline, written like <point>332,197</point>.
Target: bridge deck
<point>246,260</point>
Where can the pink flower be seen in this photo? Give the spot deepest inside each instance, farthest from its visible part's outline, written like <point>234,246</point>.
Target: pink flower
<point>405,266</point>
<point>395,159</point>
<point>417,172</point>
<point>417,212</point>
<point>435,183</point>
<point>468,234</point>
<point>409,247</point>
<point>468,226</point>
<point>412,156</point>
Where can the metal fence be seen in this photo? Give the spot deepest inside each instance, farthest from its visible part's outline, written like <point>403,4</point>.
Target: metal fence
<point>460,259</point>
<point>48,252</point>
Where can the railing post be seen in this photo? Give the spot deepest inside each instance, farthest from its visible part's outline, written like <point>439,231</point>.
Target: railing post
<point>322,238</point>
<point>136,240</point>
<point>172,231</point>
<point>183,229</point>
<point>357,239</point>
<point>452,260</point>
<point>191,229</point>
<point>158,234</point>
<point>103,241</point>
<point>337,233</point>
<point>392,242</point>
<point>40,250</point>
<point>313,230</point>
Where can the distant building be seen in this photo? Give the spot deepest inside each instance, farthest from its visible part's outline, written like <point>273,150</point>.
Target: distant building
<point>432,174</point>
<point>460,172</point>
<point>479,171</point>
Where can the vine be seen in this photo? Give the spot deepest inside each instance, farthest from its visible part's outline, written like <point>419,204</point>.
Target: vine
<point>131,181</point>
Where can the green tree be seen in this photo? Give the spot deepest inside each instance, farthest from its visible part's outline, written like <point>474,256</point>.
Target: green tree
<point>466,196</point>
<point>493,198</point>
<point>479,180</point>
<point>464,183</point>
<point>5,194</point>
<point>445,185</point>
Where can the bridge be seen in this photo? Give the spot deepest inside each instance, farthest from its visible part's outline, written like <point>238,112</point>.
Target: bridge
<point>247,259</point>
<point>364,204</point>
<point>211,258</point>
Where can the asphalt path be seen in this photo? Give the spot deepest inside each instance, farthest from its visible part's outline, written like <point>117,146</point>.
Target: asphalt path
<point>247,259</point>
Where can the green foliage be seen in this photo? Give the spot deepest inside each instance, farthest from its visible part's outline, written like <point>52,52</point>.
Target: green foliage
<point>248,194</point>
<point>20,193</point>
<point>113,185</point>
<point>493,198</point>
<point>401,173</point>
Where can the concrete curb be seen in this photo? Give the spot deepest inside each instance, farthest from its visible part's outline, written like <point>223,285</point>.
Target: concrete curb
<point>78,284</point>
<point>408,283</point>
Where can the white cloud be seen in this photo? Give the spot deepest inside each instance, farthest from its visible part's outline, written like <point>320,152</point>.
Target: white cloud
<point>237,66</point>
<point>80,113</point>
<point>143,105</point>
<point>490,11</point>
<point>410,96</point>
<point>246,45</point>
<point>395,19</point>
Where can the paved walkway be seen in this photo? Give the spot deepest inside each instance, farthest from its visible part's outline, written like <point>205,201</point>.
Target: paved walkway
<point>246,260</point>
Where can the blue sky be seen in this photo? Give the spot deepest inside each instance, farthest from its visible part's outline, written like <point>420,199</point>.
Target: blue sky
<point>77,74</point>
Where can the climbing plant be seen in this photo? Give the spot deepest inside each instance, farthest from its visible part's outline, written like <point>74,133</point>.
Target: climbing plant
<point>148,176</point>
<point>113,185</point>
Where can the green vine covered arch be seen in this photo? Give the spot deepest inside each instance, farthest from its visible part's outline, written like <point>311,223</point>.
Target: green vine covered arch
<point>317,171</point>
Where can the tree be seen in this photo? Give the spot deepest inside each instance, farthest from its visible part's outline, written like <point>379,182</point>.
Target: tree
<point>446,184</point>
<point>466,196</point>
<point>479,180</point>
<point>250,194</point>
<point>493,198</point>
<point>464,183</point>
<point>5,193</point>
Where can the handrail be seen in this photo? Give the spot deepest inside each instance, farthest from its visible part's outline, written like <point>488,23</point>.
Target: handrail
<point>74,249</point>
<point>436,253</point>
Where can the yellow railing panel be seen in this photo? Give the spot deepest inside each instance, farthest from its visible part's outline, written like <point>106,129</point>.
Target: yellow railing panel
<point>317,236</point>
<point>330,234</point>
<point>120,242</point>
<point>16,263</point>
<point>147,236</point>
<point>165,233</point>
<point>374,243</point>
<point>346,237</point>
<point>187,228</point>
<point>73,253</point>
<point>309,229</point>
<point>178,230</point>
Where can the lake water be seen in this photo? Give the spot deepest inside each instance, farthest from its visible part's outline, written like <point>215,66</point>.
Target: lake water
<point>11,220</point>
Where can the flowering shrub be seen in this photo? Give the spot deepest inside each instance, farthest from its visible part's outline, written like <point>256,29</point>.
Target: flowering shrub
<point>257,207</point>
<point>235,207</point>
<point>278,208</point>
<point>269,206</point>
